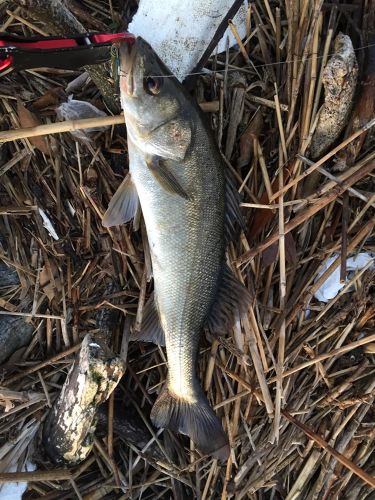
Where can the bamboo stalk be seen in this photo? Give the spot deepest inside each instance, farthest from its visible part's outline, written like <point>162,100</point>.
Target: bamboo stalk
<point>330,176</point>
<point>266,102</point>
<point>26,23</point>
<point>263,167</point>
<point>56,128</point>
<point>42,364</point>
<point>40,475</point>
<point>82,124</point>
<point>10,19</point>
<point>280,124</point>
<point>236,35</point>
<point>282,301</point>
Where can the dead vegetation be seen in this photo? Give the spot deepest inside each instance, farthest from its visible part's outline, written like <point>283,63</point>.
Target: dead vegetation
<point>294,382</point>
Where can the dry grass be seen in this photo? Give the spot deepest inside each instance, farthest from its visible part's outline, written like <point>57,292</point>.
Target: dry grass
<point>295,390</point>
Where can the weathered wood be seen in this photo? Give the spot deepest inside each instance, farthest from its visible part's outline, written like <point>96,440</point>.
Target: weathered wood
<point>339,80</point>
<point>8,275</point>
<point>107,318</point>
<point>15,332</point>
<point>68,433</point>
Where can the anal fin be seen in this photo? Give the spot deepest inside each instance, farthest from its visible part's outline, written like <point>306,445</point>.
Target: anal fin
<point>232,302</point>
<point>151,330</point>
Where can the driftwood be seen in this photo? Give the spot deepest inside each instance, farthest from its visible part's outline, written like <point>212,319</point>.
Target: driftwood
<point>339,80</point>
<point>363,112</point>
<point>68,433</point>
<point>15,332</point>
<point>8,275</point>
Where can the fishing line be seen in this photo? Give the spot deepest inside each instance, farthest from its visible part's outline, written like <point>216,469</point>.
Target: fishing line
<point>291,61</point>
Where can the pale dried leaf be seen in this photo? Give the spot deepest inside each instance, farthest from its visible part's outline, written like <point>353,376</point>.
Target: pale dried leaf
<point>28,119</point>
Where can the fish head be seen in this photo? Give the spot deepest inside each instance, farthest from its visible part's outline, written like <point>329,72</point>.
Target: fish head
<point>156,106</point>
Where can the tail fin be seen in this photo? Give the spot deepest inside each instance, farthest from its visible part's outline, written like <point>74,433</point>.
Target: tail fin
<point>195,419</point>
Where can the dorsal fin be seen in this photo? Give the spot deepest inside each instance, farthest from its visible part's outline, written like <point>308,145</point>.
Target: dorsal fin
<point>233,217</point>
<point>232,302</point>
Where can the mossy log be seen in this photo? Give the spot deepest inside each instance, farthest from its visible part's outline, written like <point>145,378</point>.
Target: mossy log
<point>70,426</point>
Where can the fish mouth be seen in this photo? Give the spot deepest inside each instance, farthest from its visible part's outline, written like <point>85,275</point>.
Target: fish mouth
<point>128,53</point>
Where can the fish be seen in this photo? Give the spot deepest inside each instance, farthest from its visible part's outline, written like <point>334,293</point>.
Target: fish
<point>190,206</point>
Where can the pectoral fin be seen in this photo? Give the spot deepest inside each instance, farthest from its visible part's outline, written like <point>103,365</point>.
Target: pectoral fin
<point>124,204</point>
<point>165,177</point>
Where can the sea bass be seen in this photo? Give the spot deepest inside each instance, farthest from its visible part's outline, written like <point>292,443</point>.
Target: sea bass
<point>189,206</point>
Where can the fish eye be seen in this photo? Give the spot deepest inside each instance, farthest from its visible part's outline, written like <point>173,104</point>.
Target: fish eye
<point>152,85</point>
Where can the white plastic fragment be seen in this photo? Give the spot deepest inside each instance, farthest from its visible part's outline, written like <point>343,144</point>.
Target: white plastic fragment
<point>74,109</point>
<point>14,491</point>
<point>71,208</point>
<point>332,285</point>
<point>180,32</point>
<point>48,224</point>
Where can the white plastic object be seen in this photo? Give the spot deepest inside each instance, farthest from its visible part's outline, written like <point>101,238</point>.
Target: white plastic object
<point>74,109</point>
<point>332,285</point>
<point>14,491</point>
<point>180,32</point>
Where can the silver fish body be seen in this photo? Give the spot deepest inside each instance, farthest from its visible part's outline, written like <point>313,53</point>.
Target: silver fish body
<point>187,245</point>
<point>179,176</point>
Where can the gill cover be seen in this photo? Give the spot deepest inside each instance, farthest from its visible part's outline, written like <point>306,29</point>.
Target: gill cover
<point>156,110</point>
